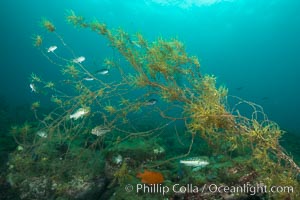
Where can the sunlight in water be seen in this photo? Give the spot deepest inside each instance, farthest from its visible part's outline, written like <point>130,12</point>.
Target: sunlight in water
<point>188,3</point>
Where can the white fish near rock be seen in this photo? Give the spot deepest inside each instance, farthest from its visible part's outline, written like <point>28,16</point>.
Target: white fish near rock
<point>117,159</point>
<point>79,113</point>
<point>79,59</point>
<point>52,49</point>
<point>42,134</point>
<point>20,148</point>
<point>195,162</point>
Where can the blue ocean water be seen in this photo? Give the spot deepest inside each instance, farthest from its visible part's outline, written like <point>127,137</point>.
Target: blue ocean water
<point>252,46</point>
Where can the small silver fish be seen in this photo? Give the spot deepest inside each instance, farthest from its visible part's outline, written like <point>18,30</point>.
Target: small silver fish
<point>100,130</point>
<point>42,134</point>
<point>151,102</point>
<point>32,87</point>
<point>88,79</point>
<point>102,71</point>
<point>136,44</point>
<point>79,59</point>
<point>79,113</point>
<point>195,162</point>
<point>52,49</point>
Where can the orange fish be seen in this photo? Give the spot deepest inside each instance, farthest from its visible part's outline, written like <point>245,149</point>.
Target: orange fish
<point>150,177</point>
